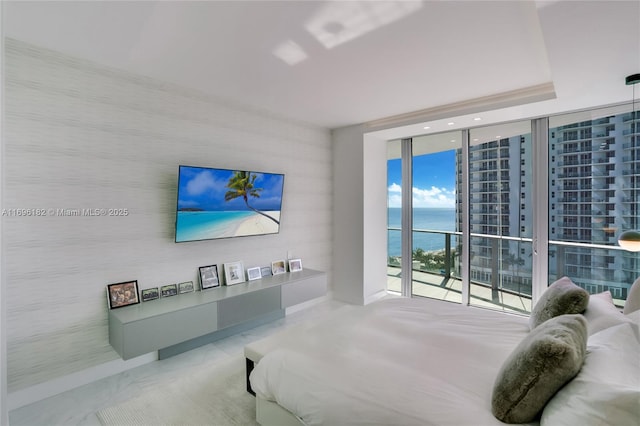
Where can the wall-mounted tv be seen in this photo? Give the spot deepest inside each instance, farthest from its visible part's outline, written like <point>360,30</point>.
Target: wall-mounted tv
<point>222,203</point>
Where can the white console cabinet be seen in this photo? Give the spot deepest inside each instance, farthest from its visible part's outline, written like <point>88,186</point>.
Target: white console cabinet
<point>179,323</point>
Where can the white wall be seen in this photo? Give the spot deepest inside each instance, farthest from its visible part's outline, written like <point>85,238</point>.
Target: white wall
<point>360,215</point>
<point>4,412</point>
<point>348,256</point>
<point>374,216</point>
<point>80,135</point>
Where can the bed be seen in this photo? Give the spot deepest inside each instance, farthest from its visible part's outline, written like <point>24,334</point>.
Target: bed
<point>404,361</point>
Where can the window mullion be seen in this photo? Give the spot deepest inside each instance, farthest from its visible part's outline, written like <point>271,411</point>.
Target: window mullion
<point>540,159</point>
<point>407,218</point>
<point>465,260</point>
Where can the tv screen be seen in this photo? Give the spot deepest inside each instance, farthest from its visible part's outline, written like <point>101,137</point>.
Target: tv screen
<point>222,203</point>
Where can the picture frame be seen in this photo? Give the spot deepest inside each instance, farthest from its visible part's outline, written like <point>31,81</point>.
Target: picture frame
<point>295,265</point>
<point>265,271</point>
<point>254,274</point>
<point>149,294</point>
<point>123,294</point>
<point>169,290</point>
<point>209,277</point>
<point>278,267</point>
<point>185,287</point>
<point>234,273</point>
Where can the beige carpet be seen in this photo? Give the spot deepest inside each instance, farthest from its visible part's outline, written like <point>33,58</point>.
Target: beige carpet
<point>215,396</point>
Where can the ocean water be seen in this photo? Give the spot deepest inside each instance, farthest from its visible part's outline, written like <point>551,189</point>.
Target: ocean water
<point>423,218</point>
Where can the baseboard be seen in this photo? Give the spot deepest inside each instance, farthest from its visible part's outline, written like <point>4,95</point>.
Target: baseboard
<point>62,384</point>
<point>376,296</point>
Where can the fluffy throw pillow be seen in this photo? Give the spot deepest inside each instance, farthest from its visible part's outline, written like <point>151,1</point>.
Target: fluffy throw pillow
<point>601,313</point>
<point>633,298</point>
<point>606,391</point>
<point>550,356</point>
<point>561,297</point>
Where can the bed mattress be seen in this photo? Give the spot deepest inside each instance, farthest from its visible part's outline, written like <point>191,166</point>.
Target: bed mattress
<point>394,362</point>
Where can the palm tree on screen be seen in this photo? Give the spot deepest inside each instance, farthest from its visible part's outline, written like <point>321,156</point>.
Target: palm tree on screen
<point>242,184</point>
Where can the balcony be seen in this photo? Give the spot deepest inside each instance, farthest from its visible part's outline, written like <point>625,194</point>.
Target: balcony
<point>436,286</point>
<point>434,275</point>
<point>574,175</point>
<point>507,284</point>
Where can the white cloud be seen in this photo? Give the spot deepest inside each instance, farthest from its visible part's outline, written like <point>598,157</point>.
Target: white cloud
<point>395,201</point>
<point>203,182</point>
<point>434,197</point>
<point>430,198</point>
<point>394,187</point>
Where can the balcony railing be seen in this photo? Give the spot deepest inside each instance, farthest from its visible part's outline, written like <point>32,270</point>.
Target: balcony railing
<point>437,272</point>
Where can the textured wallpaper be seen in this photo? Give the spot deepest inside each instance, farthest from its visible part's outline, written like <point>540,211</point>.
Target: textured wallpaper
<point>79,135</point>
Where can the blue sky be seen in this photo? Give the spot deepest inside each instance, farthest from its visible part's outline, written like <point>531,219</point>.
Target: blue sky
<point>434,180</point>
<point>204,188</point>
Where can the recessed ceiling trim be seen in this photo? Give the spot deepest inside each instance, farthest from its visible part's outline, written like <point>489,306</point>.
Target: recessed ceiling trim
<point>537,93</point>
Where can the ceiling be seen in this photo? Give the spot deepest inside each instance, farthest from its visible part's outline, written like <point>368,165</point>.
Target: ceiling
<point>393,64</point>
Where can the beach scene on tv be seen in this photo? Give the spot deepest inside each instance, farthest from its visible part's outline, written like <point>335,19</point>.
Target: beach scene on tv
<point>220,203</point>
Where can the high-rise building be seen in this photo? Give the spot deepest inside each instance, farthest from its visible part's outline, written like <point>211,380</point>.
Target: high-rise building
<point>499,181</point>
<point>594,170</point>
<point>594,194</point>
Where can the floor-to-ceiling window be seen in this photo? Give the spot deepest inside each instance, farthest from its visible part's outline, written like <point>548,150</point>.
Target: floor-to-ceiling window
<point>588,172</point>
<point>594,177</point>
<point>436,228</point>
<point>394,216</point>
<point>501,216</point>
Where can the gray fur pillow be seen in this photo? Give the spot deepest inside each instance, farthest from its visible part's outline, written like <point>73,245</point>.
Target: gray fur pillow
<point>561,297</point>
<point>550,356</point>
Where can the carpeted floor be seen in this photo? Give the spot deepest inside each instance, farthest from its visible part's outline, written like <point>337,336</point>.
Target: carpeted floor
<point>214,396</point>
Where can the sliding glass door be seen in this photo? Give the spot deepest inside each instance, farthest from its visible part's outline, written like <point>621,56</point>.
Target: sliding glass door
<point>594,196</point>
<point>394,216</point>
<point>436,229</point>
<point>497,213</point>
<point>501,216</point>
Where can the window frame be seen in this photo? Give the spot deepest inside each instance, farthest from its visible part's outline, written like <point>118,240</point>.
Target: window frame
<point>543,174</point>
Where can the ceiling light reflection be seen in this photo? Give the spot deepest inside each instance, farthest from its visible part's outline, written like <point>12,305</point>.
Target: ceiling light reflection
<point>339,22</point>
<point>290,52</point>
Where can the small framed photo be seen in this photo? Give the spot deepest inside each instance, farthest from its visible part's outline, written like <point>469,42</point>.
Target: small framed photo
<point>150,294</point>
<point>253,274</point>
<point>123,294</point>
<point>234,273</point>
<point>169,290</point>
<point>185,287</point>
<point>209,277</point>
<point>265,271</point>
<point>295,265</point>
<point>278,267</point>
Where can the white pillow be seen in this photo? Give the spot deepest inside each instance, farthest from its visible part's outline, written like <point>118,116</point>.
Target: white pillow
<point>606,391</point>
<point>601,313</point>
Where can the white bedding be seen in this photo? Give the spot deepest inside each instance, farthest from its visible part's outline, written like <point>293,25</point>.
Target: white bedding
<point>394,362</point>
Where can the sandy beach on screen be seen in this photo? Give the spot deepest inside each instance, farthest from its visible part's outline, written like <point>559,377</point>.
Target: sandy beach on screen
<point>258,224</point>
